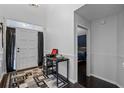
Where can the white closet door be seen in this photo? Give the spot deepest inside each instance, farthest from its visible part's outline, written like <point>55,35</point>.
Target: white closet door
<point>26,48</point>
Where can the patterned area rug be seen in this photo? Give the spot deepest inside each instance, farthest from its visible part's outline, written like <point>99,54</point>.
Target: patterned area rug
<point>33,78</point>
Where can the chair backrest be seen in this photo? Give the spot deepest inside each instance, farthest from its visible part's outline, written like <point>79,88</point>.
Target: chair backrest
<point>54,51</point>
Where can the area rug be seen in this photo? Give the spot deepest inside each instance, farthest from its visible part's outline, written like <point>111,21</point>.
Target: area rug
<point>33,78</point>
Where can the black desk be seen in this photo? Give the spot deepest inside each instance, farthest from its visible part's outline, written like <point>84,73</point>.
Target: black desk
<point>57,61</point>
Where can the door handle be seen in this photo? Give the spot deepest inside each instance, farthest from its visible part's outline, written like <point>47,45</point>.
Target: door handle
<point>18,50</point>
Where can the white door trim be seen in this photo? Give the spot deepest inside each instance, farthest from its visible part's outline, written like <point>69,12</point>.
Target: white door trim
<point>18,24</point>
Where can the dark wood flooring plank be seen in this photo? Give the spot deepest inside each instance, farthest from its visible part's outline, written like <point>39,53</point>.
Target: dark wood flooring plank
<point>93,82</point>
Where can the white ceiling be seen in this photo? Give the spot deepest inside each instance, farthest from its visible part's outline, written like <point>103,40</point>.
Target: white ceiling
<point>24,12</point>
<point>96,11</point>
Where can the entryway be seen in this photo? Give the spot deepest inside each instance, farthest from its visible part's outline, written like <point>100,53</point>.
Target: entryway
<point>24,48</point>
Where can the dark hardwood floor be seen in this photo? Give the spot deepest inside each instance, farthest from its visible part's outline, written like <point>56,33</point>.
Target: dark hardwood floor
<point>81,70</point>
<point>76,85</point>
<point>91,82</point>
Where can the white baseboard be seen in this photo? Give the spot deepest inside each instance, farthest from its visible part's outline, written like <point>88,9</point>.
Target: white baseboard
<point>120,86</point>
<point>113,82</point>
<point>72,81</point>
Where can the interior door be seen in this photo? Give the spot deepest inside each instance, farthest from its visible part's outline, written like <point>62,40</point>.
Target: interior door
<point>26,48</point>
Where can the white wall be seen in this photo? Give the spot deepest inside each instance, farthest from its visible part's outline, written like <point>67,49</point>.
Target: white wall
<point>60,34</point>
<point>104,48</point>
<point>120,43</point>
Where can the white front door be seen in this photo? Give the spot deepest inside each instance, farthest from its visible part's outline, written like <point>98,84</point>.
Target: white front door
<point>26,48</point>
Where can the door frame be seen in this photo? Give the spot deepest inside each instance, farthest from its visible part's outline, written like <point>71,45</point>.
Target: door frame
<point>76,49</point>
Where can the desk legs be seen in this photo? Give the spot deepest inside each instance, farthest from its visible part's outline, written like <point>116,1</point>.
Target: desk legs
<point>67,72</point>
<point>67,69</point>
<point>57,72</point>
<point>47,67</point>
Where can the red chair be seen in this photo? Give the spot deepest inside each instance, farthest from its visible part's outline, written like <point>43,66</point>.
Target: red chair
<point>54,52</point>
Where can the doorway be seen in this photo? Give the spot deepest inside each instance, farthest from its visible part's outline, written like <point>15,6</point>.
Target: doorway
<point>82,52</point>
<point>22,46</point>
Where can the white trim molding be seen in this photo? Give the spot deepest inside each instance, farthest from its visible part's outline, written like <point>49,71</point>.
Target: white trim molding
<point>18,24</point>
<point>64,54</point>
<point>113,82</point>
<point>72,81</point>
<point>120,86</point>
<point>103,79</point>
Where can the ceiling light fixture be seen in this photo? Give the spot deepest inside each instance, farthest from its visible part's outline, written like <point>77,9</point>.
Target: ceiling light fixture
<point>35,5</point>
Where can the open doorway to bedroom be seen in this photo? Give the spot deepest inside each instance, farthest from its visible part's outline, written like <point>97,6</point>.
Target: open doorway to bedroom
<point>103,22</point>
<point>82,52</point>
